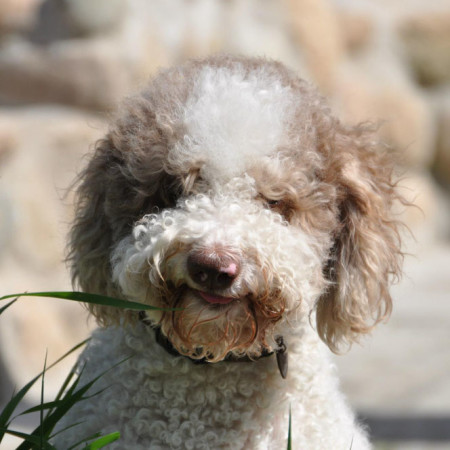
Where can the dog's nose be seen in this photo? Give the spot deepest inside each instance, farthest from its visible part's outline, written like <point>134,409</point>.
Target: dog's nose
<point>213,271</point>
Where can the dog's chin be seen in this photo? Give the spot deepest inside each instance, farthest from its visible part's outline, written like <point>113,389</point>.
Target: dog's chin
<point>213,327</point>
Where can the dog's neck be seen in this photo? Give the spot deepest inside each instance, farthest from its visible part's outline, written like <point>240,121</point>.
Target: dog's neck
<point>280,352</point>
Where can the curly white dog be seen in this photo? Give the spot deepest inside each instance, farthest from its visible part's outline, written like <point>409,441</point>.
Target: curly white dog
<point>227,194</point>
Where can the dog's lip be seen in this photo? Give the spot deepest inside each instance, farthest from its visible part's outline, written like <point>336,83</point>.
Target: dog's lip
<point>215,299</point>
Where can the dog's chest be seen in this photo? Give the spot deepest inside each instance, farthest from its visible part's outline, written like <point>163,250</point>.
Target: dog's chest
<point>164,398</point>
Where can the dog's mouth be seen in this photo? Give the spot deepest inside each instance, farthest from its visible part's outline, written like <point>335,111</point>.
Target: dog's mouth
<point>212,325</point>
<point>214,299</point>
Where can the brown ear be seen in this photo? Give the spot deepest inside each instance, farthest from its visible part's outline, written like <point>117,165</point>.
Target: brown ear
<point>366,252</point>
<point>92,233</point>
<point>116,189</point>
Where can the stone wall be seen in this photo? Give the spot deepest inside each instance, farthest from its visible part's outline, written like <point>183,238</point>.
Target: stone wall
<point>65,65</point>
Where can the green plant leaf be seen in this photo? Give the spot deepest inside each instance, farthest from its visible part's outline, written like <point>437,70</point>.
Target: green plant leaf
<point>34,441</point>
<point>41,412</point>
<point>8,410</point>
<point>104,440</point>
<point>84,440</point>
<point>71,426</point>
<point>289,442</point>
<point>89,298</point>
<point>4,308</point>
<point>69,399</point>
<point>68,394</point>
<point>10,407</point>
<point>41,407</point>
<point>62,389</point>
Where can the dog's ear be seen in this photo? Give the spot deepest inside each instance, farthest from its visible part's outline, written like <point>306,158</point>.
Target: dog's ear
<point>91,236</point>
<point>124,180</point>
<point>366,252</point>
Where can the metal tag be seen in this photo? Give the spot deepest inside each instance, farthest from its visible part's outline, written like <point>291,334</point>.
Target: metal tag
<point>282,356</point>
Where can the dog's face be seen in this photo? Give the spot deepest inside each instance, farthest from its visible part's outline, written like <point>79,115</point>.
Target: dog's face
<point>227,190</point>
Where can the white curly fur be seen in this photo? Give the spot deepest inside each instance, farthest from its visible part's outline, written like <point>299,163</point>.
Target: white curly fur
<point>240,164</point>
<point>159,401</point>
<point>227,112</point>
<point>161,243</point>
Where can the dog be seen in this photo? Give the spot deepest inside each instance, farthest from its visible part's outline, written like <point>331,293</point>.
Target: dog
<point>228,196</point>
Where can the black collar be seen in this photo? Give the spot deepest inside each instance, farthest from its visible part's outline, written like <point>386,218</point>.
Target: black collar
<point>281,351</point>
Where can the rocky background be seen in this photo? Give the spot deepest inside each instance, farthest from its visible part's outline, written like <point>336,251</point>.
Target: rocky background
<point>65,64</point>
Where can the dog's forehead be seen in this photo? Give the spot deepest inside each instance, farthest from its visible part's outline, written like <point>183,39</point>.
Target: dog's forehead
<point>231,119</point>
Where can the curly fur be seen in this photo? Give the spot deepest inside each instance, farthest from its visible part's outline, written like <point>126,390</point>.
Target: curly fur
<point>231,159</point>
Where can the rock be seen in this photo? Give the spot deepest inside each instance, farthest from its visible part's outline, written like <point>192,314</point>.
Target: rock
<point>68,19</point>
<point>6,222</point>
<point>16,15</point>
<point>86,74</point>
<point>89,17</point>
<point>347,47</point>
<point>375,84</point>
<point>8,140</point>
<point>366,92</point>
<point>93,72</point>
<point>440,101</point>
<point>316,30</point>
<point>427,220</point>
<point>33,328</point>
<point>407,124</point>
<point>99,69</point>
<point>405,362</point>
<point>426,40</point>
<point>52,24</point>
<point>357,30</point>
<point>242,28</point>
<point>34,215</point>
<point>49,145</point>
<point>8,144</point>
<point>359,23</point>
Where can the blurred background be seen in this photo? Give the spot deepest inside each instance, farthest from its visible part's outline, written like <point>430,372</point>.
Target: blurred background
<point>65,64</point>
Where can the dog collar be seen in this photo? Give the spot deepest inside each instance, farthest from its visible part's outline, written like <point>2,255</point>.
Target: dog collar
<point>280,352</point>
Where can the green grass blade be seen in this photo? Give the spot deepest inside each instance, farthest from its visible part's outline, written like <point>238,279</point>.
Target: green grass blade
<point>10,407</point>
<point>8,410</point>
<point>41,413</point>
<point>100,441</point>
<point>62,389</point>
<point>104,440</point>
<point>47,426</point>
<point>41,407</point>
<point>84,440</point>
<point>68,428</point>
<point>289,442</point>
<point>73,349</point>
<point>70,399</point>
<point>4,308</point>
<point>88,298</point>
<point>71,374</point>
<point>33,441</point>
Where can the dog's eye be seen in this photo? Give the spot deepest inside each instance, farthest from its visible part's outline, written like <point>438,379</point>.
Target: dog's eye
<point>278,206</point>
<point>273,203</point>
<point>283,207</point>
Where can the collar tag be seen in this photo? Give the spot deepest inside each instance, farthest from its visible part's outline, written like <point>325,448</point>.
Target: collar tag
<point>282,356</point>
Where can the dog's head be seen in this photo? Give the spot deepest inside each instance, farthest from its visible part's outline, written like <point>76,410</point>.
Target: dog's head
<point>228,190</point>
